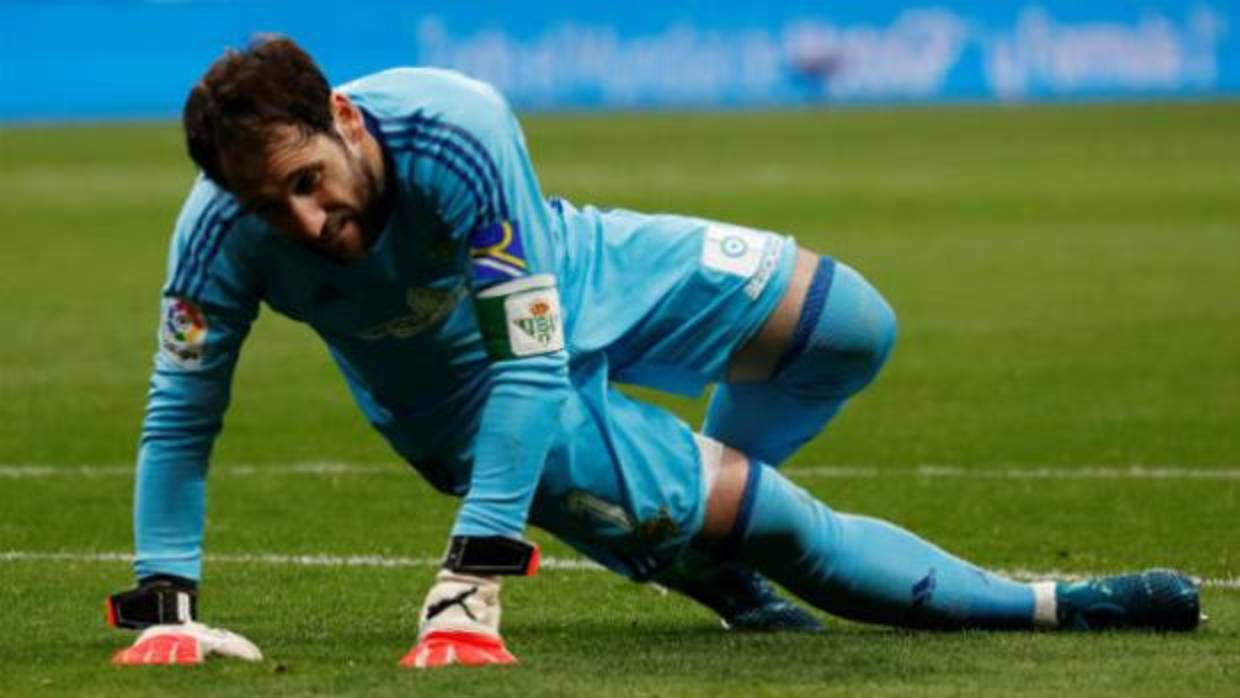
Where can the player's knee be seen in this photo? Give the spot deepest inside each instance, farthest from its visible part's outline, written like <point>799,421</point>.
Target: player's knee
<point>879,336</point>
<point>850,343</point>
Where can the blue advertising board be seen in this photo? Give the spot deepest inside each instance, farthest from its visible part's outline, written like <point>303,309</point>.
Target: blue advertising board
<point>86,59</point>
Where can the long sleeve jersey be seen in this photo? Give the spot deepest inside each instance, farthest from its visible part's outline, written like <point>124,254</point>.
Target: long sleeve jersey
<point>400,323</point>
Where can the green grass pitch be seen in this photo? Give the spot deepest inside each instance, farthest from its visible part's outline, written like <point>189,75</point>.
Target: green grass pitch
<point>1065,395</point>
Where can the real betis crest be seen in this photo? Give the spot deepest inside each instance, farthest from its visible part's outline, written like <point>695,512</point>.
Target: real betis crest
<point>534,321</point>
<point>542,324</point>
<point>521,317</point>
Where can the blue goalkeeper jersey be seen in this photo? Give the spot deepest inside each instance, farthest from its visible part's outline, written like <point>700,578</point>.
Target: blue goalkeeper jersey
<point>465,208</point>
<point>401,323</point>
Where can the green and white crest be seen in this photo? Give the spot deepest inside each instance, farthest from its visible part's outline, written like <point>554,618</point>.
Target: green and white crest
<point>521,317</point>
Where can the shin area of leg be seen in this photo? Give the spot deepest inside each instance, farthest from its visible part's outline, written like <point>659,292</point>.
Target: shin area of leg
<point>865,569</point>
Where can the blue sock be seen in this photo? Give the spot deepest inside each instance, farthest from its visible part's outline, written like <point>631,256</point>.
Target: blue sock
<point>842,339</point>
<point>864,569</point>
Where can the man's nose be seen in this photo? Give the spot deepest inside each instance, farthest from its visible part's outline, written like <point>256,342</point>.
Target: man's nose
<point>308,216</point>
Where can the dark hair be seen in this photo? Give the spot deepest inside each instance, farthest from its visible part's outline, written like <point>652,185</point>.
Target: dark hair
<point>245,93</point>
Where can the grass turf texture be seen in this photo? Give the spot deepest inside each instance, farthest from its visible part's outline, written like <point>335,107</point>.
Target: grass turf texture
<point>1066,280</point>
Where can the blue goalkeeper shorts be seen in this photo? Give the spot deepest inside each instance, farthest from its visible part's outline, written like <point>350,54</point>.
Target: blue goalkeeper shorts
<point>668,299</point>
<point>627,485</point>
<point>666,305</point>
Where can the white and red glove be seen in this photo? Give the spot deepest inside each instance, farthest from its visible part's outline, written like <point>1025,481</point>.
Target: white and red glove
<point>459,624</point>
<point>185,643</point>
<point>164,608</point>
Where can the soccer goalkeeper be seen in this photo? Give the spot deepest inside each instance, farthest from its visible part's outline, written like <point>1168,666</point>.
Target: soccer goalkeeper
<point>480,327</point>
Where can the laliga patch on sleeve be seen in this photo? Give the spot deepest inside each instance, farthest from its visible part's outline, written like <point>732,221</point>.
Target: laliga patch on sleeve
<point>733,250</point>
<point>183,332</point>
<point>496,253</point>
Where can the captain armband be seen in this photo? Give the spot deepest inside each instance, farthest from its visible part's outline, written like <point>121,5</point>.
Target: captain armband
<point>521,317</point>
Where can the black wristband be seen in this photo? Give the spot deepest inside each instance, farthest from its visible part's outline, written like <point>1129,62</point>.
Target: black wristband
<point>158,599</point>
<point>491,555</point>
<point>174,580</point>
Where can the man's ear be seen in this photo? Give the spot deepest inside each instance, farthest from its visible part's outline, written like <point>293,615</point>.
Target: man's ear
<point>348,118</point>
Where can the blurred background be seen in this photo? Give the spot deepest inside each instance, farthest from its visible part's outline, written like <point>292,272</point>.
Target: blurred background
<point>1048,193</point>
<point>90,59</point>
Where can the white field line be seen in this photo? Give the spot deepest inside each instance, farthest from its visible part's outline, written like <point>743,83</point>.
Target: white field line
<point>550,563</point>
<point>1132,472</point>
<point>35,472</point>
<point>846,472</point>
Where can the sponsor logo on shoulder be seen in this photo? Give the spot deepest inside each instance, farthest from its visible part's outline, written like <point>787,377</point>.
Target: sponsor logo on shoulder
<point>183,332</point>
